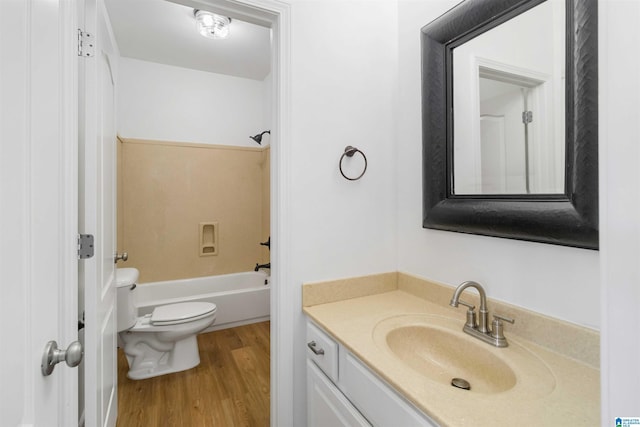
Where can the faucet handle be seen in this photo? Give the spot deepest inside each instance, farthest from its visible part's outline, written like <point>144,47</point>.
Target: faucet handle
<point>497,330</point>
<point>466,304</point>
<point>471,314</point>
<point>498,317</point>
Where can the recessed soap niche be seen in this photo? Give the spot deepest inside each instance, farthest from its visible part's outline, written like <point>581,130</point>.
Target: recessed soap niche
<point>208,239</point>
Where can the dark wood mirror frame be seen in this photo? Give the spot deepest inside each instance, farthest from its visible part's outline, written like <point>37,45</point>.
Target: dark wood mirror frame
<point>569,219</point>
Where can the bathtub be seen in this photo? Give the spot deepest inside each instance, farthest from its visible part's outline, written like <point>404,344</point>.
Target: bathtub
<point>241,298</point>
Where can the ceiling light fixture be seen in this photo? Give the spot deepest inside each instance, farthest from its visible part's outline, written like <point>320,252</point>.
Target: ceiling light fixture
<point>211,25</point>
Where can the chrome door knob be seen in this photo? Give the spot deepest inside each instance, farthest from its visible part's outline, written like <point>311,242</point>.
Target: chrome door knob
<point>52,356</point>
<point>123,256</point>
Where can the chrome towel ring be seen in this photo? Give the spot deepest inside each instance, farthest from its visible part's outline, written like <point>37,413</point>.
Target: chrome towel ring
<point>349,151</point>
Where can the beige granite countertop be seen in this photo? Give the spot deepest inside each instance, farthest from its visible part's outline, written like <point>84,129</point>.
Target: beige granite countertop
<point>350,310</point>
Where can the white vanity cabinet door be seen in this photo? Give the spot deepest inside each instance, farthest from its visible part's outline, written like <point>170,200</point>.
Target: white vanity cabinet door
<point>376,400</point>
<point>326,405</point>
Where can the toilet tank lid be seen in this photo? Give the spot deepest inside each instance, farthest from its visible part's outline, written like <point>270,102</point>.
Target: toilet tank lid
<point>126,276</point>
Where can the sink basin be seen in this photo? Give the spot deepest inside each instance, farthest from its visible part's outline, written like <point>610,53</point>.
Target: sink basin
<point>441,355</point>
<point>436,348</point>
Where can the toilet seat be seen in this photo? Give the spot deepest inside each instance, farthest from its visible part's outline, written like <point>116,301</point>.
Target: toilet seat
<point>183,312</point>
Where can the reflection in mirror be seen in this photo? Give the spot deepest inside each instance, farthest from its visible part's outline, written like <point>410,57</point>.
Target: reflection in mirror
<point>509,106</point>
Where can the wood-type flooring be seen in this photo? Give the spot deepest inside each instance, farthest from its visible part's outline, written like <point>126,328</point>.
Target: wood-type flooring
<point>229,388</point>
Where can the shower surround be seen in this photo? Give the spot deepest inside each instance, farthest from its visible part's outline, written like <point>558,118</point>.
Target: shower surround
<point>166,189</point>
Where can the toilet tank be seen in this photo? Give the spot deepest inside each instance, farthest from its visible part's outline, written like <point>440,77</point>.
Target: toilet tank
<point>126,279</point>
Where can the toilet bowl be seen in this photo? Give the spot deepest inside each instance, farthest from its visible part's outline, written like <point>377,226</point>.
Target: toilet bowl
<point>163,341</point>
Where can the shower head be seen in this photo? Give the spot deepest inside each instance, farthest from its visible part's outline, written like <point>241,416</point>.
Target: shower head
<point>258,138</point>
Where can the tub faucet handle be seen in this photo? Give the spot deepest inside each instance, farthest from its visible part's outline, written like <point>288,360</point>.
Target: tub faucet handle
<point>259,266</point>
<point>267,243</point>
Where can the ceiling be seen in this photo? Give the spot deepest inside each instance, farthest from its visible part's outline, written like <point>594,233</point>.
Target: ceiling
<point>164,32</point>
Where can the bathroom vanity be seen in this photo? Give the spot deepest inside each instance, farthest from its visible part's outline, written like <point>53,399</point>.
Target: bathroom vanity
<point>382,351</point>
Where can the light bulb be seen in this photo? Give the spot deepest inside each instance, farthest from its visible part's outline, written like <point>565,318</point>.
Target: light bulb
<point>211,25</point>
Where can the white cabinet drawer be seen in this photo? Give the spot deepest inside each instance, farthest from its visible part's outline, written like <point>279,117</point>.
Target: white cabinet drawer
<point>323,351</point>
<point>379,404</point>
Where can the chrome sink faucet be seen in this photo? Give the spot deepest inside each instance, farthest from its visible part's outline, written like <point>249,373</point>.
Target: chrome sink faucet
<point>481,330</point>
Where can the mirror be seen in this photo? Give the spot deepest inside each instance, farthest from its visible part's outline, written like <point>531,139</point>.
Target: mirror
<point>509,100</point>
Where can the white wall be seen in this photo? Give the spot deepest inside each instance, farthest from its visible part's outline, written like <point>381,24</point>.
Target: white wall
<point>164,102</point>
<point>558,281</point>
<point>619,91</point>
<point>343,93</point>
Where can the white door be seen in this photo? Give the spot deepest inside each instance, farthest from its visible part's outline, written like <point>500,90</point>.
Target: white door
<point>492,155</point>
<point>38,210</point>
<point>97,141</point>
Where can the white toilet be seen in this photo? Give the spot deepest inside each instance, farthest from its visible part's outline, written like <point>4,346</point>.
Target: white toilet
<point>161,342</point>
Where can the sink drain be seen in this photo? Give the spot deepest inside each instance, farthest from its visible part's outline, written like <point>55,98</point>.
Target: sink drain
<point>461,383</point>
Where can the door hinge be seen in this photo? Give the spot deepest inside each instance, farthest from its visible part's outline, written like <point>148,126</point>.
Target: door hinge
<point>86,44</point>
<point>85,246</point>
<point>527,117</point>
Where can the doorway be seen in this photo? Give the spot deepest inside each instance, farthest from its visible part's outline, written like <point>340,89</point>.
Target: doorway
<point>253,130</point>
